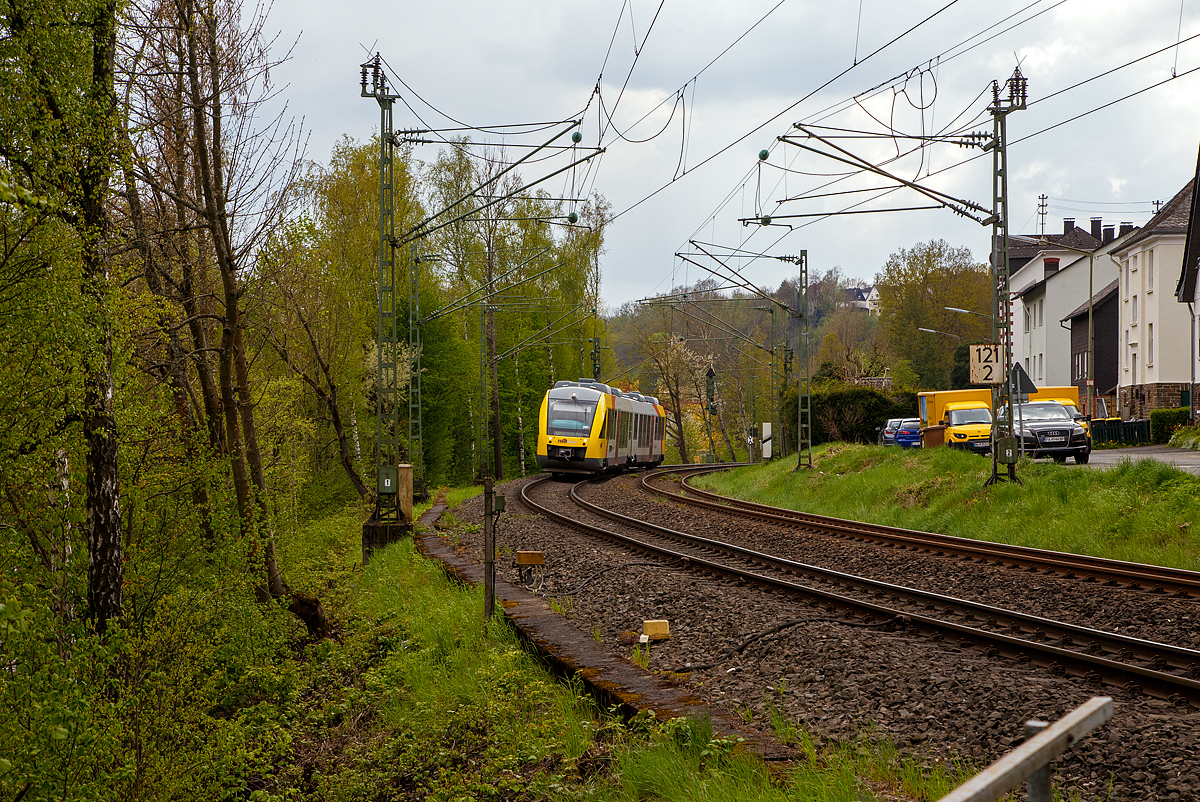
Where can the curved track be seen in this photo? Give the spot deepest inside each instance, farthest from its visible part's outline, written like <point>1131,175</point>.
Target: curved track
<point>1152,578</point>
<point>1161,670</point>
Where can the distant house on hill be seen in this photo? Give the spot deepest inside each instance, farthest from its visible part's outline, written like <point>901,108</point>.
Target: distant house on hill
<point>861,298</point>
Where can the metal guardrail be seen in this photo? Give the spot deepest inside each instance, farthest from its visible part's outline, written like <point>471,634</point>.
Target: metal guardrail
<point>1125,432</point>
<point>1032,760</point>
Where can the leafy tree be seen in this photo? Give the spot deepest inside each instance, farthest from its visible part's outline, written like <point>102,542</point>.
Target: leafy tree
<point>915,287</point>
<point>58,108</point>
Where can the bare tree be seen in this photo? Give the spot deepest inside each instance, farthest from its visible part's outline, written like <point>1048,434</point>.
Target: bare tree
<point>229,171</point>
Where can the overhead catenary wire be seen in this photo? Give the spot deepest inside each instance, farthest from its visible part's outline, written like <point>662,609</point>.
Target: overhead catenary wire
<point>763,125</point>
<point>954,51</point>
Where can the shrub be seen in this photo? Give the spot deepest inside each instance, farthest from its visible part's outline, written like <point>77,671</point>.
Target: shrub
<point>847,412</point>
<point>1164,422</point>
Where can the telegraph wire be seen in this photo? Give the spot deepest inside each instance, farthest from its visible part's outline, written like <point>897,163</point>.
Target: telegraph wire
<point>1123,66</point>
<point>637,54</point>
<point>763,125</point>
<point>693,80</point>
<point>1106,105</point>
<point>1178,33</point>
<point>1056,125</point>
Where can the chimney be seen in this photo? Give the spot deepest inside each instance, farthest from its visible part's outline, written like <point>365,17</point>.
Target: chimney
<point>1097,225</point>
<point>1126,228</point>
<point>1050,265</point>
<point>1068,225</point>
<point>1110,234</point>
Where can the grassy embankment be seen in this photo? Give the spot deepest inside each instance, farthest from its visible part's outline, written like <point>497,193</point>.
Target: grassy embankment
<point>416,700</point>
<point>1142,511</point>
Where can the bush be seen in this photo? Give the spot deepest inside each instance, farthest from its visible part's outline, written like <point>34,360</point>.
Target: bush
<point>1186,437</point>
<point>848,413</point>
<point>1164,422</point>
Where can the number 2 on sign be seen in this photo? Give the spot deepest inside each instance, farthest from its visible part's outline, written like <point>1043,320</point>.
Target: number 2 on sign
<point>985,365</point>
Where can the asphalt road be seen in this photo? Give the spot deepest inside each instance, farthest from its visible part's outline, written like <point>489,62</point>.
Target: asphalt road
<point>1185,459</point>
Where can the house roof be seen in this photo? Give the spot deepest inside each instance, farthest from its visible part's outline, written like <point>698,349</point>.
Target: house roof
<point>1097,299</point>
<point>1171,219</point>
<point>1032,288</point>
<point>1185,290</point>
<point>1076,238</point>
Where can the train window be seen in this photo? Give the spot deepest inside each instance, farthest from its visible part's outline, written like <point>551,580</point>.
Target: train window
<point>570,417</point>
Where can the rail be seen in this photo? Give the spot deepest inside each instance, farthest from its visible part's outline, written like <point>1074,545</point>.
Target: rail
<point>1031,760</point>
<point>1154,578</point>
<point>1092,654</point>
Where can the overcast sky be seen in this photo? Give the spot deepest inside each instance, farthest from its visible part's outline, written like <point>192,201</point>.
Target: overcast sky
<point>776,63</point>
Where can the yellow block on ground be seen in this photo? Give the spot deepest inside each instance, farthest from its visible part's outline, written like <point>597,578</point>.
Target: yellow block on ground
<point>530,558</point>
<point>658,629</point>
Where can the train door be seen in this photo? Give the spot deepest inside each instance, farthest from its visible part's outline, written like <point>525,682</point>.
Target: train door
<point>610,432</point>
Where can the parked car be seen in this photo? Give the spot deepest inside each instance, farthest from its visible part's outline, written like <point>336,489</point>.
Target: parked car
<point>908,433</point>
<point>1047,429</point>
<point>887,432</point>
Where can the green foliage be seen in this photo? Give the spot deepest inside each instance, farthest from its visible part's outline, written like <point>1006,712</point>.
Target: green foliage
<point>960,374</point>
<point>915,287</point>
<point>59,714</point>
<point>1164,422</point>
<point>847,412</point>
<point>1186,437</point>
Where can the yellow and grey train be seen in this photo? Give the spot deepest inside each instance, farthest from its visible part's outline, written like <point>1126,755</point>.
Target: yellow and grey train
<point>588,427</point>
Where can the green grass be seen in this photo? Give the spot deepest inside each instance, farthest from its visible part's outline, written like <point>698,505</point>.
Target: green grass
<point>420,700</point>
<point>454,497</point>
<point>1142,511</point>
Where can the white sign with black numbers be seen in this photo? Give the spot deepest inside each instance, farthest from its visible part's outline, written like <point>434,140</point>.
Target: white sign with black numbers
<point>986,366</point>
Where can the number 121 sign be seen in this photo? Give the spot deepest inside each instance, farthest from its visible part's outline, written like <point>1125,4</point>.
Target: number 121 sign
<point>986,367</point>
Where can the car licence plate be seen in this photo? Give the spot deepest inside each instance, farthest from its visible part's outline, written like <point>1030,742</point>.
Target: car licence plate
<point>1054,439</point>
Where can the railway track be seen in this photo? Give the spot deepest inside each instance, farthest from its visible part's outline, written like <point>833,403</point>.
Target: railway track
<point>1113,573</point>
<point>1160,670</point>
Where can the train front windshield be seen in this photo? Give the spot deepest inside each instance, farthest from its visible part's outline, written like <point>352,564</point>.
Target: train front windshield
<point>570,417</point>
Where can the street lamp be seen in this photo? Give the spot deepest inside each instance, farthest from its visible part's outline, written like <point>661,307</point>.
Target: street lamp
<point>935,331</point>
<point>967,312</point>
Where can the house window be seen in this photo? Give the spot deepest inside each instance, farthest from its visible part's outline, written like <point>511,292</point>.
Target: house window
<point>1149,341</point>
<point>1027,320</point>
<point>1133,309</point>
<point>1126,349</point>
<point>1133,373</point>
<point>1041,313</point>
<point>1150,275</point>
<point>1041,363</point>
<point>1126,276</point>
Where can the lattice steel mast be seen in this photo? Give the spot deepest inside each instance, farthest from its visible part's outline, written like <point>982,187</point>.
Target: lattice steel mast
<point>1001,303</point>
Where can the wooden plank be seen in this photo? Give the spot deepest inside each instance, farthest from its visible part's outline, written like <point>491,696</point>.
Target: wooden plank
<point>1011,770</point>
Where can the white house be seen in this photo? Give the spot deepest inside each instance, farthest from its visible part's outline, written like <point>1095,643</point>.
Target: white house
<point>1056,281</point>
<point>1155,334</point>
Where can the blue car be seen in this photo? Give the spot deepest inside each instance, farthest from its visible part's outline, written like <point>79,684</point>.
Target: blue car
<point>908,433</point>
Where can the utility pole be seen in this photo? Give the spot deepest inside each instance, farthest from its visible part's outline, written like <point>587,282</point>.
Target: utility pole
<point>1001,305</point>
<point>387,402</point>
<point>800,353</point>
<point>596,358</point>
<point>711,408</point>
